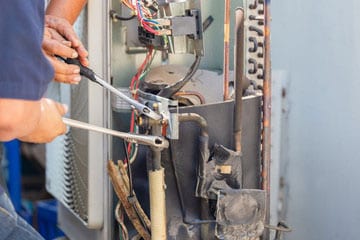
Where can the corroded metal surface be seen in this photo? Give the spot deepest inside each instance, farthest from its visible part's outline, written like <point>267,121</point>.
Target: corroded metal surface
<point>266,154</point>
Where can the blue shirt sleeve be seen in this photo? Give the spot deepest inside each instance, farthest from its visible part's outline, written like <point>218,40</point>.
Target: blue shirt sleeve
<point>24,70</point>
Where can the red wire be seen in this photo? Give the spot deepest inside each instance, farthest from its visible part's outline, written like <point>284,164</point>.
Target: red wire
<point>132,126</point>
<point>135,78</point>
<point>135,81</point>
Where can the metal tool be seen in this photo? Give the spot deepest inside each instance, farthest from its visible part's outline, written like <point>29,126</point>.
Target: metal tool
<point>89,73</point>
<point>154,141</point>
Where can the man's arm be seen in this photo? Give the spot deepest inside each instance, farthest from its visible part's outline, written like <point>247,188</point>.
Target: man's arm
<point>24,76</point>
<point>31,121</point>
<point>18,117</point>
<point>68,9</point>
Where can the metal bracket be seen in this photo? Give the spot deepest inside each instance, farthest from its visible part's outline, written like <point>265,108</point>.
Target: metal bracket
<point>171,119</point>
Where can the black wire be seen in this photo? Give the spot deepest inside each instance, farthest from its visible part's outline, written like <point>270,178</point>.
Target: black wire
<point>132,197</point>
<point>115,15</point>
<point>177,182</point>
<point>129,170</point>
<point>168,91</point>
<point>208,21</point>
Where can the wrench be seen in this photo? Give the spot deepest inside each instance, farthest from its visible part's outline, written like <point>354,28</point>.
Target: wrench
<point>90,74</point>
<point>154,141</point>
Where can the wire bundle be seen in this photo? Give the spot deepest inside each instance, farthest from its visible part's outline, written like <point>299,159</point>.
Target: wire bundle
<point>144,16</point>
<point>134,85</point>
<point>147,23</point>
<point>142,71</point>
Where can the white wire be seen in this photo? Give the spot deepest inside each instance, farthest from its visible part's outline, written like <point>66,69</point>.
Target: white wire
<point>121,223</point>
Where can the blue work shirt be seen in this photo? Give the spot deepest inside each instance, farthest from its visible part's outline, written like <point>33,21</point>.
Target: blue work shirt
<point>24,70</point>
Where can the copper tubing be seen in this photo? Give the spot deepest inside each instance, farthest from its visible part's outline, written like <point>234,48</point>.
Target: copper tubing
<point>184,117</point>
<point>266,154</point>
<point>203,158</point>
<point>192,93</point>
<point>239,74</point>
<point>204,142</point>
<point>226,49</point>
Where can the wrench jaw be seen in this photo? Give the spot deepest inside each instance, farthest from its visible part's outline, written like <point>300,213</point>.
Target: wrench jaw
<point>151,114</point>
<point>162,142</point>
<point>147,140</point>
<point>160,105</point>
<point>143,109</point>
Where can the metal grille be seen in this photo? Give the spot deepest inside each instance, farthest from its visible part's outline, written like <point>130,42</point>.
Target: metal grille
<point>68,163</point>
<point>76,179</point>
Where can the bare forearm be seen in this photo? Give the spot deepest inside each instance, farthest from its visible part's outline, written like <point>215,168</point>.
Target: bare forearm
<point>18,118</point>
<point>31,121</point>
<point>68,9</point>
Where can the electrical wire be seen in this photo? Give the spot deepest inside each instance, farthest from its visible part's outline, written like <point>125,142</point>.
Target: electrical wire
<point>132,6</point>
<point>136,237</point>
<point>132,197</point>
<point>145,18</point>
<point>142,69</point>
<point>129,5</point>
<point>131,188</point>
<point>141,73</point>
<point>134,153</point>
<point>168,91</point>
<point>146,22</point>
<point>115,16</point>
<point>119,216</point>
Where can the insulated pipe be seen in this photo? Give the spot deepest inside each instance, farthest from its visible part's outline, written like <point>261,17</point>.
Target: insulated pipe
<point>226,49</point>
<point>157,204</point>
<point>239,74</point>
<point>157,190</point>
<point>157,197</point>
<point>266,154</point>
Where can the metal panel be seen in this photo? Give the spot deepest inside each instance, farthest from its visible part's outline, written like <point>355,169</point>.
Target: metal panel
<point>317,42</point>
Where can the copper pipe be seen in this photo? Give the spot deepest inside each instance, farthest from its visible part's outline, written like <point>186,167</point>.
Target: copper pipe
<point>266,152</point>
<point>184,117</point>
<point>192,93</point>
<point>203,158</point>
<point>239,75</point>
<point>226,49</point>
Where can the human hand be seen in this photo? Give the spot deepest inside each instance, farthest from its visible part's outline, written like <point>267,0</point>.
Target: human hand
<point>50,124</point>
<point>60,39</point>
